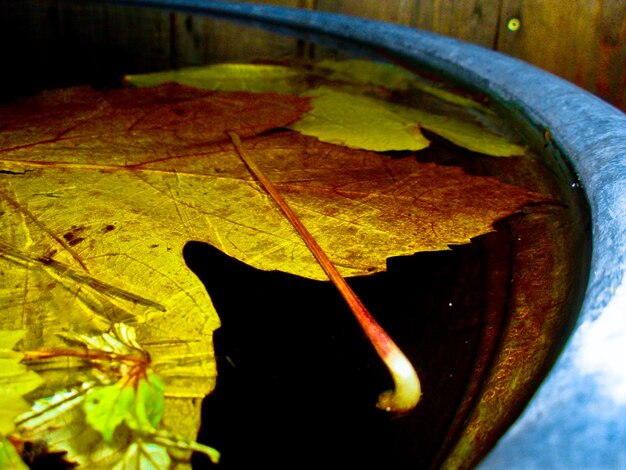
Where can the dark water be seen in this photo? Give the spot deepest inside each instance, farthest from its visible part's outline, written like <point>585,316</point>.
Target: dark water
<point>297,379</point>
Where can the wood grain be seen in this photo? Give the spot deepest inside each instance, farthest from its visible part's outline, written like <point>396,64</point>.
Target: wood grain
<point>200,40</point>
<point>59,42</point>
<point>582,41</point>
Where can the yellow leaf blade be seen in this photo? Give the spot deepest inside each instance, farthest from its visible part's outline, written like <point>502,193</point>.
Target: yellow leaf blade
<point>358,121</point>
<point>226,77</point>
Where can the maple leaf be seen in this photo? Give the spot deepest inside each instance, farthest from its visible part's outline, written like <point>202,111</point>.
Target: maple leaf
<point>9,458</point>
<point>352,118</point>
<point>139,405</point>
<point>86,423</point>
<point>144,456</point>
<point>365,122</point>
<point>83,271</point>
<point>394,77</point>
<point>16,380</point>
<point>359,122</point>
<point>228,77</point>
<point>380,74</point>
<point>101,191</point>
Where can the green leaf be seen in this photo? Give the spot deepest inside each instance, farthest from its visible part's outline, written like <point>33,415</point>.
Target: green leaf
<point>108,406</point>
<point>148,406</point>
<point>144,456</point>
<point>139,405</point>
<point>227,77</point>
<point>9,458</point>
<point>358,121</point>
<point>173,442</point>
<point>61,420</point>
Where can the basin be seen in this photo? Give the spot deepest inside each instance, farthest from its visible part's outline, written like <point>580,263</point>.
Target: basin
<point>572,411</point>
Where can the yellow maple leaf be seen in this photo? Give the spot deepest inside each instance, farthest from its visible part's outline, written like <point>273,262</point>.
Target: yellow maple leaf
<point>360,121</point>
<point>256,78</point>
<point>100,192</point>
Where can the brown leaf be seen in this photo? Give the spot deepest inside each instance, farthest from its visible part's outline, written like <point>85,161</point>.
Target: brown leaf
<point>132,125</point>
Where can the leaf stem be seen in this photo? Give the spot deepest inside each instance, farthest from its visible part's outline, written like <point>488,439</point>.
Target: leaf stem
<point>407,385</point>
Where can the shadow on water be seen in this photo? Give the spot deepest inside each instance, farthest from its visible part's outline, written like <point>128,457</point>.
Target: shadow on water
<point>297,379</point>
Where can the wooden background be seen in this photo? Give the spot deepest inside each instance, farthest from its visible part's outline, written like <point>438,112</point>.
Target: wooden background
<point>62,42</point>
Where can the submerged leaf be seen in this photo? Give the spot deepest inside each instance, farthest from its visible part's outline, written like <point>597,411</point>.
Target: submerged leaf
<point>392,77</point>
<point>61,420</point>
<point>47,413</point>
<point>358,121</point>
<point>137,403</point>
<point>353,120</point>
<point>364,122</point>
<point>9,458</point>
<point>9,338</point>
<point>462,133</point>
<point>11,407</point>
<point>110,249</point>
<point>148,406</point>
<point>107,407</point>
<point>380,74</point>
<point>100,192</point>
<point>227,77</point>
<point>144,456</point>
<point>16,380</point>
<point>121,340</point>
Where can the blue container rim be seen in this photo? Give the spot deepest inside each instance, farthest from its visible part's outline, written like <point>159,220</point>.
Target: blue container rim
<point>576,418</point>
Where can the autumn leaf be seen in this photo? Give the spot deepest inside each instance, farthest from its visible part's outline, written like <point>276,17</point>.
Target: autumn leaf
<point>228,77</point>
<point>101,191</point>
<point>360,121</point>
<point>393,77</point>
<point>83,271</point>
<point>96,422</point>
<point>350,118</point>
<point>380,74</point>
<point>261,78</point>
<point>144,456</point>
<point>9,458</point>
<point>16,380</point>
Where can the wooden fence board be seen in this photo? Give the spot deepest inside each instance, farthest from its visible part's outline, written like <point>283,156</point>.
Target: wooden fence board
<point>395,12</point>
<point>470,20</point>
<point>139,38</point>
<point>200,40</point>
<point>582,41</point>
<point>475,21</point>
